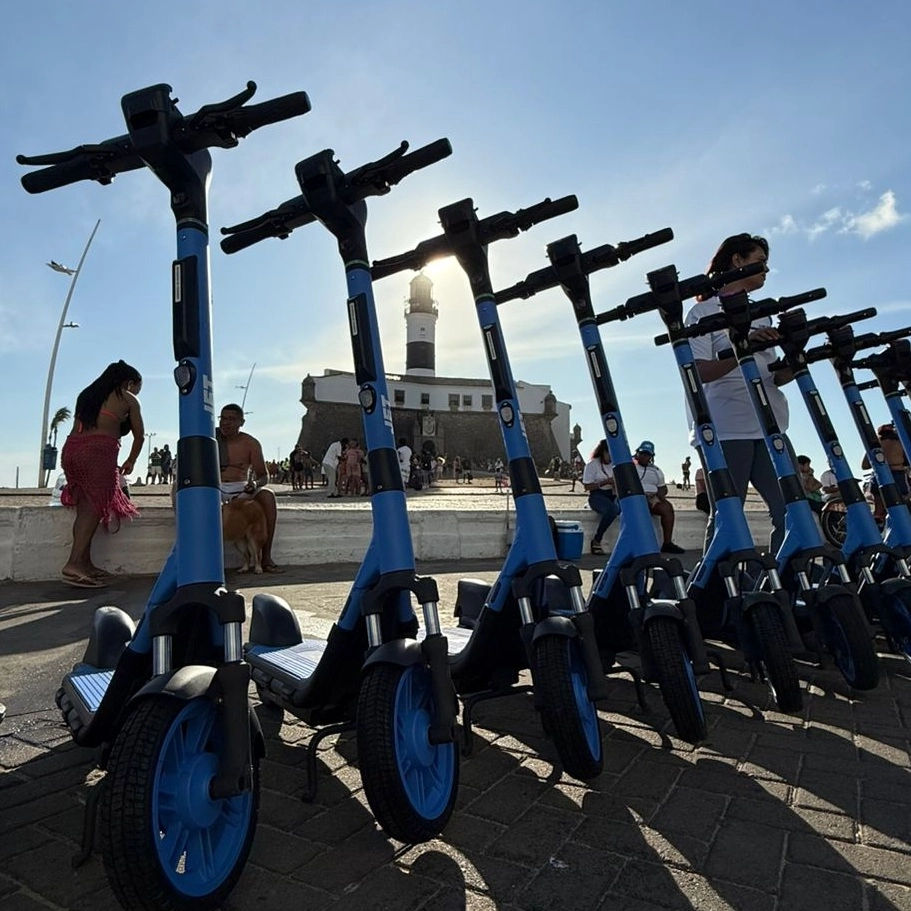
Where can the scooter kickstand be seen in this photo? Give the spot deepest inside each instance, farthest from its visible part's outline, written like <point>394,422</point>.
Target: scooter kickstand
<point>89,823</point>
<point>718,660</point>
<point>309,794</point>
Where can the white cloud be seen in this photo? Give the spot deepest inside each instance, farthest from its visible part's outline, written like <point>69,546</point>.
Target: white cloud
<point>818,189</point>
<point>864,185</point>
<point>881,217</point>
<point>786,225</point>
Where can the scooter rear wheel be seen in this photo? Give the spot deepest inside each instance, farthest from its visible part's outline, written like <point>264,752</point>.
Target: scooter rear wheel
<point>849,642</point>
<point>676,679</point>
<point>570,717</point>
<point>834,525</point>
<point>167,845</point>
<point>777,661</point>
<point>895,616</point>
<point>410,783</point>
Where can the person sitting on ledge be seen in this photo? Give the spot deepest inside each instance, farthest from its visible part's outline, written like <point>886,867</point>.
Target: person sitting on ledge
<point>655,490</point>
<point>244,473</point>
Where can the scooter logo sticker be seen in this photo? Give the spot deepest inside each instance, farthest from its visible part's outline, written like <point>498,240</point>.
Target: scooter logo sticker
<point>208,394</point>
<point>387,411</point>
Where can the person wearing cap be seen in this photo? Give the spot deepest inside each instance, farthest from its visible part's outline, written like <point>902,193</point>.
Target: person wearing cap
<point>655,489</point>
<point>598,480</point>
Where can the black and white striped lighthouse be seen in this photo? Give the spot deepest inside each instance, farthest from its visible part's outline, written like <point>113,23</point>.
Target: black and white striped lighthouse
<point>420,322</point>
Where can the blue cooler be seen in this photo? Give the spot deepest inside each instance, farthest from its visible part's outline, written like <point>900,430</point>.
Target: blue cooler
<point>570,538</point>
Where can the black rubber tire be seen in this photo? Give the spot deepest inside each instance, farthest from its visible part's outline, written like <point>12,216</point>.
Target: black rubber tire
<point>128,822</point>
<point>676,679</point>
<point>777,661</point>
<point>834,527</point>
<point>569,717</point>
<point>379,737</point>
<point>849,642</point>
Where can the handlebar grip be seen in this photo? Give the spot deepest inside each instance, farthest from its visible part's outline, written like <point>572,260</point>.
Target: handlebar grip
<point>414,259</point>
<point>798,300</point>
<point>82,168</point>
<point>420,158</point>
<point>549,208</point>
<point>58,175</point>
<point>646,242</point>
<point>530,286</point>
<point>827,323</point>
<point>247,119</point>
<point>869,384</point>
<point>248,237</point>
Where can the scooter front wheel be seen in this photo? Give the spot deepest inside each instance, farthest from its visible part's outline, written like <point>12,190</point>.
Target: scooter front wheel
<point>777,661</point>
<point>167,844</point>
<point>410,783</point>
<point>849,642</point>
<point>676,679</point>
<point>570,717</point>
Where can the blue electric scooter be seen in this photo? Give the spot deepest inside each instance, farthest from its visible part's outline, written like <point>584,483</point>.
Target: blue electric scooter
<point>558,646</point>
<point>629,615</point>
<point>758,623</point>
<point>826,605</point>
<point>170,711</point>
<point>372,672</point>
<point>880,563</point>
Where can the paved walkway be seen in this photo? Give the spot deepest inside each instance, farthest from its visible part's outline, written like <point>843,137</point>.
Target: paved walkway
<point>775,813</point>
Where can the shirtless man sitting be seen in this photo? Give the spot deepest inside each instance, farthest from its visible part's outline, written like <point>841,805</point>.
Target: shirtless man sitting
<point>244,474</point>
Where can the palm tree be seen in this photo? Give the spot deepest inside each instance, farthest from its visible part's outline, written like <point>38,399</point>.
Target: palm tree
<point>61,416</point>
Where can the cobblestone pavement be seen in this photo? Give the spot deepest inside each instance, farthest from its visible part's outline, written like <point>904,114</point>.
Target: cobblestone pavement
<point>774,813</point>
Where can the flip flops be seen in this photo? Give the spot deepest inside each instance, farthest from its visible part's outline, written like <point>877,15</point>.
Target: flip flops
<point>272,568</point>
<point>80,580</point>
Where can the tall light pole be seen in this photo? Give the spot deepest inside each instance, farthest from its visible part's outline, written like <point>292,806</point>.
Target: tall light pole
<point>245,388</point>
<point>45,414</point>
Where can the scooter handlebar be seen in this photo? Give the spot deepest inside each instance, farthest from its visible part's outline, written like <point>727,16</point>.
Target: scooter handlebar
<point>602,257</point>
<point>415,259</point>
<point>827,323</point>
<point>245,120</point>
<point>215,125</point>
<point>495,227</point>
<point>278,222</point>
<point>378,177</point>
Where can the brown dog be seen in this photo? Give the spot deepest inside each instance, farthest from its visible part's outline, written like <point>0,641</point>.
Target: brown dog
<point>243,522</point>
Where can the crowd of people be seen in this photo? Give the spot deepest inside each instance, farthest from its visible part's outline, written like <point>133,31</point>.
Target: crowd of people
<point>108,410</point>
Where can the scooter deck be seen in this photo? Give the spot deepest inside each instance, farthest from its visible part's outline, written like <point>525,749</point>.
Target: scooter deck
<point>81,693</point>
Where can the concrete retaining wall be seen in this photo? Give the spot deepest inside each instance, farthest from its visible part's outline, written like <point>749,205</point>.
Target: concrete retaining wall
<point>35,540</point>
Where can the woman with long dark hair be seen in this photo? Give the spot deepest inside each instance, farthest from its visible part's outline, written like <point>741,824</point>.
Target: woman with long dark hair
<point>105,411</point>
<point>736,424</point>
<point>598,480</point>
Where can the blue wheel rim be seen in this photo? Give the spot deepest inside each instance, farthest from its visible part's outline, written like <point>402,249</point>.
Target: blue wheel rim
<point>198,839</point>
<point>426,770</point>
<point>694,686</point>
<point>899,627</point>
<point>838,645</point>
<point>588,714</point>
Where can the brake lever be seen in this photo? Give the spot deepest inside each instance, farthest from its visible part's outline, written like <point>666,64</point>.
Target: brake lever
<point>220,108</point>
<point>365,174</point>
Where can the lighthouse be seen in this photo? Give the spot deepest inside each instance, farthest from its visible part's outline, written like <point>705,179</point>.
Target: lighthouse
<point>420,322</point>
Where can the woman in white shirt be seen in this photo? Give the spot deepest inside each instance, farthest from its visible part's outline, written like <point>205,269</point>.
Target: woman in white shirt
<point>598,480</point>
<point>736,424</point>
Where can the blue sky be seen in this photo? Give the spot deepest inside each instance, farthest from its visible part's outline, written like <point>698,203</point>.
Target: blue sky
<point>782,118</point>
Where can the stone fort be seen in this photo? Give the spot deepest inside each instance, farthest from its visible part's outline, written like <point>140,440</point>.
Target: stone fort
<point>447,415</point>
